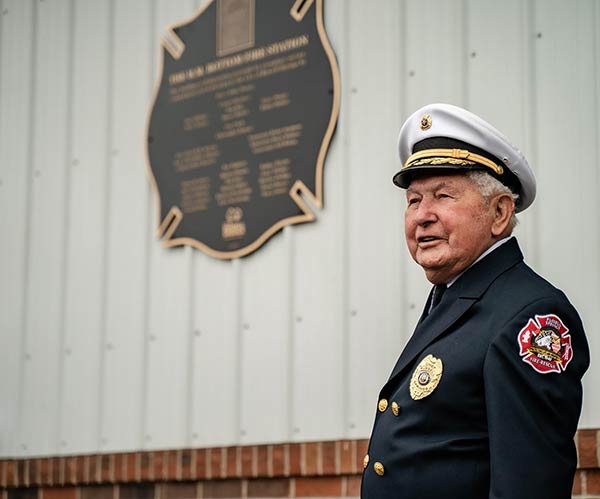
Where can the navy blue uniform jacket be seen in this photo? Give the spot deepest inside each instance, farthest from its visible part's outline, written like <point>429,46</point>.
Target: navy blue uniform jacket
<point>501,420</point>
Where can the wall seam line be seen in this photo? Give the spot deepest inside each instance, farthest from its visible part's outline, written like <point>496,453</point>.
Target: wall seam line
<point>27,230</point>
<point>239,278</point>
<point>533,111</point>
<point>188,423</point>
<point>465,52</point>
<point>109,164</point>
<point>67,223</point>
<point>147,281</point>
<point>11,443</point>
<point>346,266</point>
<point>290,405</point>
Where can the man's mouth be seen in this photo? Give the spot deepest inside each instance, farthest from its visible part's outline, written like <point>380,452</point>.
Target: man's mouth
<point>427,239</point>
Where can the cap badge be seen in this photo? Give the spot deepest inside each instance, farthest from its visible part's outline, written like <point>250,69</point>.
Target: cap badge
<point>425,122</point>
<point>426,377</point>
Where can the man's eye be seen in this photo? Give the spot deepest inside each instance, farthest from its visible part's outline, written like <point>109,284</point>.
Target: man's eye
<point>413,201</point>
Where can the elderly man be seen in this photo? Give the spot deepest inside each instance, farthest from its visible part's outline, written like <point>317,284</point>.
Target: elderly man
<point>485,398</point>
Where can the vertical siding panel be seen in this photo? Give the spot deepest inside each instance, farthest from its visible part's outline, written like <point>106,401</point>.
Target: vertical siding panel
<point>215,319</point>
<point>128,228</point>
<point>86,244</point>
<point>319,345</point>
<point>435,73</point>
<point>214,405</point>
<point>496,47</point>
<point>169,327</point>
<point>213,336</point>
<point>214,396</point>
<point>375,207</point>
<point>499,47</point>
<point>435,56</point>
<point>338,158</point>
<point>588,142</point>
<point>263,341</point>
<point>48,224</point>
<point>108,178</point>
<point>151,224</point>
<point>568,171</point>
<point>215,393</point>
<point>167,337</point>
<point>16,78</point>
<point>590,417</point>
<point>528,230</point>
<point>265,314</point>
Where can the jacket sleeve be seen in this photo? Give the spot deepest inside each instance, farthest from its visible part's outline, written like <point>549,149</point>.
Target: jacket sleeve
<point>532,376</point>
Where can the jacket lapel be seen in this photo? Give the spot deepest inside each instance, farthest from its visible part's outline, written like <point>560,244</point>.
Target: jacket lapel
<point>459,298</point>
<point>439,320</point>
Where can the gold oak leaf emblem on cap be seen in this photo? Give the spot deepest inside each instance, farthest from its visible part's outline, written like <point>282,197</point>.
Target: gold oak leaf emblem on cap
<point>426,122</point>
<point>426,377</point>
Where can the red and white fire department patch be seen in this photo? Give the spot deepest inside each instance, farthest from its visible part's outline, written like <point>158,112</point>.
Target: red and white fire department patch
<point>545,344</point>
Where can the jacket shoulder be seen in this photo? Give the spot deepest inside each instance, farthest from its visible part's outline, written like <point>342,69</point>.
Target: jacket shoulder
<point>524,286</point>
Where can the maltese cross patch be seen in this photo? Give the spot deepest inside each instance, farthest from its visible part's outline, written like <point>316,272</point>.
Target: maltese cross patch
<point>545,345</point>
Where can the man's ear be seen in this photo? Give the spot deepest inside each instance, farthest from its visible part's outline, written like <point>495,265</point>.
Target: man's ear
<point>503,206</point>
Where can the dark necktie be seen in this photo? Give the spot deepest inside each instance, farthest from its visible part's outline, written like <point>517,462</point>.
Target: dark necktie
<point>436,295</point>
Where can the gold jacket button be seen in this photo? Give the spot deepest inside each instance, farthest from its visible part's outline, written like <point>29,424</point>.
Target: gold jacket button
<point>379,469</point>
<point>383,403</point>
<point>366,461</point>
<point>395,408</point>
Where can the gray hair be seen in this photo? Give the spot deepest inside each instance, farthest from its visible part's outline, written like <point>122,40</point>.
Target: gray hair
<point>489,187</point>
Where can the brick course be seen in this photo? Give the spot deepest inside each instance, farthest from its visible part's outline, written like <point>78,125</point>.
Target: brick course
<point>294,470</point>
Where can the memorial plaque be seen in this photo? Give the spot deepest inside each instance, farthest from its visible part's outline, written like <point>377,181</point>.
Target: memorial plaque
<point>242,117</point>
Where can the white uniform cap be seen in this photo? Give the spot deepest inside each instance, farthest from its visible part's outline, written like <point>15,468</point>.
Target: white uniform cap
<point>441,137</point>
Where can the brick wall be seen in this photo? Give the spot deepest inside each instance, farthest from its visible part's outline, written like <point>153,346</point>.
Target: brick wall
<point>587,479</point>
<point>312,469</point>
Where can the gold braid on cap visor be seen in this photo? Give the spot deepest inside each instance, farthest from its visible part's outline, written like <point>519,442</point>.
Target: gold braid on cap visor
<point>459,157</point>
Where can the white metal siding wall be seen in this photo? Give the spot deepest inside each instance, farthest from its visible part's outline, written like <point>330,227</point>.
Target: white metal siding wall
<point>109,342</point>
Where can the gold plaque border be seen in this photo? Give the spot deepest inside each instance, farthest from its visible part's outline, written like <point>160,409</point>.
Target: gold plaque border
<point>175,46</point>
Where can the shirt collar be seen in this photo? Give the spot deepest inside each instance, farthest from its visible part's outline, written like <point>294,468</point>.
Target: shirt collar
<point>494,246</point>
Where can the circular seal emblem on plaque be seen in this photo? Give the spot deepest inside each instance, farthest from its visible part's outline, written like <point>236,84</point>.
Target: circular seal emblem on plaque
<point>242,116</point>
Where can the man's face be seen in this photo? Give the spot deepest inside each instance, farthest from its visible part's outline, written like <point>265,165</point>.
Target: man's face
<point>447,225</point>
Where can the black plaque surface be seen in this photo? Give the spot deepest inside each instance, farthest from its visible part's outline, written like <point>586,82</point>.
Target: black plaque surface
<point>242,117</point>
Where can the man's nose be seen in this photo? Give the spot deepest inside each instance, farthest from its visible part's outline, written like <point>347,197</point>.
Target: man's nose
<point>425,212</point>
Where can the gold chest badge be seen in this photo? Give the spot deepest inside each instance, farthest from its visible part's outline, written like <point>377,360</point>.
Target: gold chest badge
<point>426,377</point>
